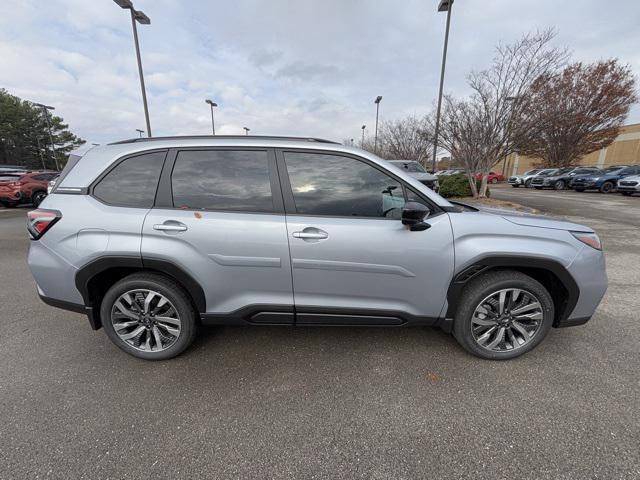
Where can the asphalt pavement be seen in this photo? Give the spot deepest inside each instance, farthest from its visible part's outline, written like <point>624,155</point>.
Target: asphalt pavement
<point>352,403</point>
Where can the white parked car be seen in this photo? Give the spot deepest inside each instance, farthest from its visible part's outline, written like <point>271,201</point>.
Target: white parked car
<point>629,185</point>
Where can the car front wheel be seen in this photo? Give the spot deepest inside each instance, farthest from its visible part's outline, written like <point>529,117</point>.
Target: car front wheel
<point>559,185</point>
<point>503,315</point>
<point>606,187</point>
<point>149,316</point>
<point>37,198</point>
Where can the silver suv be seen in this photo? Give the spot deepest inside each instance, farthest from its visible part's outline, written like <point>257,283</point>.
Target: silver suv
<point>151,238</point>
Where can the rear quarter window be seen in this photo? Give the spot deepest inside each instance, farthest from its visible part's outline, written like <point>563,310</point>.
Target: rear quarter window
<point>132,182</point>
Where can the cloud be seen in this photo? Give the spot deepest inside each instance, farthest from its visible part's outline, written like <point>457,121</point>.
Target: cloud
<point>278,67</point>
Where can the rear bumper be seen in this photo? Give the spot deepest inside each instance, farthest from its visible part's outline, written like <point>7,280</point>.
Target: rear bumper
<point>73,307</point>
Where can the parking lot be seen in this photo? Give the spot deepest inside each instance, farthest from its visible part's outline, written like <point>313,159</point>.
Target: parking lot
<point>275,402</point>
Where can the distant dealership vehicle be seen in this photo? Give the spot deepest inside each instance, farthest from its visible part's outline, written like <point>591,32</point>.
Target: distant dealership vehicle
<point>523,180</point>
<point>560,179</point>
<point>418,172</point>
<point>605,181</point>
<point>629,185</point>
<point>20,187</point>
<point>492,177</point>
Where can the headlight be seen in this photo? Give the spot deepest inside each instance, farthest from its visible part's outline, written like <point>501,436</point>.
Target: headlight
<point>594,179</point>
<point>588,238</point>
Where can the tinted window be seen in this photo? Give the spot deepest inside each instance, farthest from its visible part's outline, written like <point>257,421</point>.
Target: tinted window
<point>133,182</point>
<point>628,171</point>
<point>332,185</point>
<point>222,180</point>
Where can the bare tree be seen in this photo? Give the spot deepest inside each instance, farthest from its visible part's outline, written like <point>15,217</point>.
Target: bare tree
<point>409,138</point>
<point>579,110</point>
<point>495,100</point>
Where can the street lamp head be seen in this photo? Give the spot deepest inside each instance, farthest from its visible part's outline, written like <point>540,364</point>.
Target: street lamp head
<point>124,3</point>
<point>378,98</point>
<point>364,126</point>
<point>445,5</point>
<point>141,18</point>
<point>213,104</point>
<point>41,105</point>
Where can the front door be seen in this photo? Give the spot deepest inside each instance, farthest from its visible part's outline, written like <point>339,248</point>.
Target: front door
<point>219,217</point>
<point>352,259</point>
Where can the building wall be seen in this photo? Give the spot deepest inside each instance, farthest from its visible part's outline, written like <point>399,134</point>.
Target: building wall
<point>625,150</point>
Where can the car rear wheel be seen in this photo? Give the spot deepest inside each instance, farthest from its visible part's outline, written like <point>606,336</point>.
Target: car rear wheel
<point>503,315</point>
<point>559,185</point>
<point>149,316</point>
<point>37,198</point>
<point>607,187</point>
<point>494,180</point>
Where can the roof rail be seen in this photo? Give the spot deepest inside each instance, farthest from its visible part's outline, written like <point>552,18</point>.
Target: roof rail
<point>224,137</point>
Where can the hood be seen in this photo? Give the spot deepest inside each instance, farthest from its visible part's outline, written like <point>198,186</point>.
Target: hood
<point>530,220</point>
<point>422,176</point>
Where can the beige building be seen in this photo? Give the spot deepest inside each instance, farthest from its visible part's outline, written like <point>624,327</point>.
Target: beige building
<point>625,150</point>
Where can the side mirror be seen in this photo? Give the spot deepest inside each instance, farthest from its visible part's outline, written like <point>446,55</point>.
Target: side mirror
<point>413,215</point>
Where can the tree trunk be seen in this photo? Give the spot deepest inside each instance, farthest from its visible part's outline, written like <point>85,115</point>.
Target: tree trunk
<point>472,184</point>
<point>483,186</point>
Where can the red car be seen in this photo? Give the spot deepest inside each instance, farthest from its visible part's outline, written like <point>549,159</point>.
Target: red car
<point>493,177</point>
<point>24,187</point>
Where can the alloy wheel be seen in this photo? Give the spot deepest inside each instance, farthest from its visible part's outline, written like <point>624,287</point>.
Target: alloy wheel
<point>559,185</point>
<point>506,320</point>
<point>146,320</point>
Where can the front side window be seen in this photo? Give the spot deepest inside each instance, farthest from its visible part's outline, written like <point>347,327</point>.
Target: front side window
<point>333,185</point>
<point>234,180</point>
<point>133,182</point>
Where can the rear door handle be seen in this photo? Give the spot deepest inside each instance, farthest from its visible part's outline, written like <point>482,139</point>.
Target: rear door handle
<point>311,233</point>
<point>170,227</point>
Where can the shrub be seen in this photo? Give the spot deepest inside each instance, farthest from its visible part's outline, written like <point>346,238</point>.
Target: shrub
<point>457,186</point>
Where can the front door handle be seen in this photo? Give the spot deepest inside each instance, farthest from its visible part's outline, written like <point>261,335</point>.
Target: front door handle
<point>170,226</point>
<point>311,233</point>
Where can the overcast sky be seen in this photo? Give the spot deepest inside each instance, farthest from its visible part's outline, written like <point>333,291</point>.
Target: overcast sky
<point>287,67</point>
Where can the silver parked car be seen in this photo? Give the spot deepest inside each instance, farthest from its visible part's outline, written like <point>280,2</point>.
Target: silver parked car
<point>629,185</point>
<point>524,179</point>
<point>418,172</point>
<point>152,237</point>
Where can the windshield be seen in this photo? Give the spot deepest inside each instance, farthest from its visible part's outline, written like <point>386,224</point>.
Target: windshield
<point>548,173</point>
<point>531,172</point>
<point>9,178</point>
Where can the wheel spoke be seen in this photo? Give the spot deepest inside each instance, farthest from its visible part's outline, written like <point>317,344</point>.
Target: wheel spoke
<point>130,335</point>
<point>171,320</point>
<point>515,293</point>
<point>485,336</point>
<point>498,338</point>
<point>173,331</point>
<point>483,322</point>
<point>147,301</point>
<point>523,331</point>
<point>126,311</point>
<point>120,326</point>
<point>530,316</point>
<point>526,308</point>
<point>501,298</point>
<point>158,339</point>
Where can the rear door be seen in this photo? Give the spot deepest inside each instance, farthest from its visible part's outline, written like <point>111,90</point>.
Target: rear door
<point>353,260</point>
<point>219,217</point>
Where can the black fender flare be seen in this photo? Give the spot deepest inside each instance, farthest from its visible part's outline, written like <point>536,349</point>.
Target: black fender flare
<point>517,262</point>
<point>86,273</point>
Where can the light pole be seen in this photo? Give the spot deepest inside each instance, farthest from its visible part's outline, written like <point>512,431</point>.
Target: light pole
<point>375,141</point>
<point>140,132</point>
<point>444,6</point>
<point>44,166</point>
<point>362,144</point>
<point>46,109</point>
<point>213,125</point>
<point>246,130</point>
<point>140,17</point>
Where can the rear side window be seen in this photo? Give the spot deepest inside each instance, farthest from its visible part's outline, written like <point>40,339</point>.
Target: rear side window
<point>133,182</point>
<point>234,180</point>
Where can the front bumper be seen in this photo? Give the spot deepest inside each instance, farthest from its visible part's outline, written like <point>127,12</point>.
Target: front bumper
<point>589,271</point>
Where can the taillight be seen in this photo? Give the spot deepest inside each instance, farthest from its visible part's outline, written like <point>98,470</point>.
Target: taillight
<point>41,220</point>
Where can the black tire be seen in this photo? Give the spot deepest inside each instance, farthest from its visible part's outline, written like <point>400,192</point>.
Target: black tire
<point>494,180</point>
<point>483,286</point>
<point>579,189</point>
<point>173,292</point>
<point>607,187</point>
<point>527,184</point>
<point>559,185</point>
<point>37,198</point>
